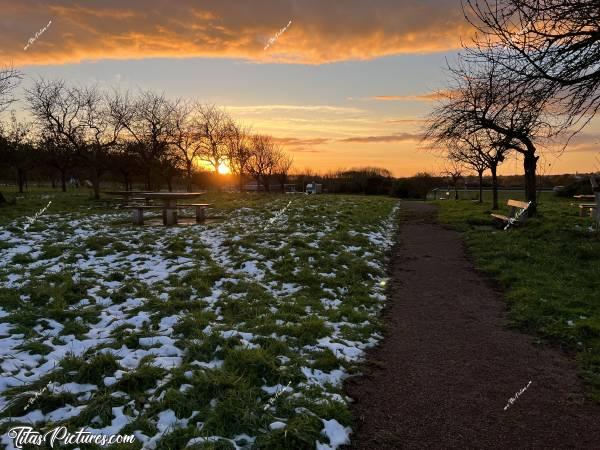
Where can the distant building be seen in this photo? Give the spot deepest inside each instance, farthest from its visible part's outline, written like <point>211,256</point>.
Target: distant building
<point>314,188</point>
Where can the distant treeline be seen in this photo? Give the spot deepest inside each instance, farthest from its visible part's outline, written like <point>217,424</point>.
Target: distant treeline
<point>364,180</point>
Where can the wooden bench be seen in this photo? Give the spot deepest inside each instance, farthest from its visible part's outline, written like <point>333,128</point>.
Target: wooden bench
<point>169,214</point>
<point>200,210</point>
<point>517,214</point>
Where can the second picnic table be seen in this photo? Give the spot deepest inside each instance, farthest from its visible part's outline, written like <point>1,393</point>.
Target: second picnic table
<point>169,207</point>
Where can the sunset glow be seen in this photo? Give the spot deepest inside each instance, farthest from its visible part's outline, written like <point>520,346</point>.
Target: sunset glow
<point>345,85</point>
<point>223,169</point>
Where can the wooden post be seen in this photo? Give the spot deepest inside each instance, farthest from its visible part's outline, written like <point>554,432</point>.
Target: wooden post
<point>170,216</point>
<point>200,216</point>
<point>138,216</point>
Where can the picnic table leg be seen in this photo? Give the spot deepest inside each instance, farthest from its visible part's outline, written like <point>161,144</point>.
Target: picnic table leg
<point>170,212</point>
<point>200,216</point>
<point>138,216</point>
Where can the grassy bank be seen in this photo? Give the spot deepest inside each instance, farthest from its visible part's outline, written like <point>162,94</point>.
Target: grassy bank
<point>550,270</point>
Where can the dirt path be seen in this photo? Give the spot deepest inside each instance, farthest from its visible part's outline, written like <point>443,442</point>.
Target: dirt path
<point>448,366</point>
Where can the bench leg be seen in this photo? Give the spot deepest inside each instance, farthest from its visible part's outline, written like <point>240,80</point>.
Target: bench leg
<point>200,216</point>
<point>138,217</point>
<point>170,217</point>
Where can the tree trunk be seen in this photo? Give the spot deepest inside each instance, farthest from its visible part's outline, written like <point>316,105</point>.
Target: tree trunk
<point>493,169</point>
<point>63,180</point>
<point>529,164</point>
<point>96,184</point>
<point>480,174</point>
<point>20,180</point>
<point>53,181</point>
<point>169,183</point>
<point>2,199</point>
<point>189,176</point>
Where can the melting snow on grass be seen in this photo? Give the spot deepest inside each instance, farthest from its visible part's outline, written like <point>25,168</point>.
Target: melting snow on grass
<point>190,336</point>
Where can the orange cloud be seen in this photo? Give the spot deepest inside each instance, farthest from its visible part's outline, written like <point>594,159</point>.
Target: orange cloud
<point>305,145</point>
<point>321,31</point>
<point>428,97</point>
<point>396,137</point>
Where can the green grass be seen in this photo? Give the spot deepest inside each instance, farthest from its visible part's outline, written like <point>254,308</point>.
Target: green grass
<point>243,309</point>
<point>549,269</point>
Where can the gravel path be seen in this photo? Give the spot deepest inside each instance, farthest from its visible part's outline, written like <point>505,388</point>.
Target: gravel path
<point>448,365</point>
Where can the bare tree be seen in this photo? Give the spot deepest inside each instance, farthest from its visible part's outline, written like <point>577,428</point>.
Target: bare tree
<point>213,127</point>
<point>467,156</point>
<point>148,121</point>
<point>58,155</point>
<point>125,162</point>
<point>18,149</point>
<point>556,42</point>
<point>264,160</point>
<point>484,97</point>
<point>239,151</point>
<point>9,80</point>
<point>102,132</point>
<point>453,173</point>
<point>479,150</point>
<point>82,118</point>
<point>282,169</point>
<point>186,140</point>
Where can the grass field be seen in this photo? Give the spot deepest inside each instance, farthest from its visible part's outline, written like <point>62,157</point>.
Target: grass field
<point>550,270</point>
<point>231,334</point>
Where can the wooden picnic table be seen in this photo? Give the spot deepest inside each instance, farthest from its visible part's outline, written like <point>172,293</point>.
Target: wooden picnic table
<point>169,206</point>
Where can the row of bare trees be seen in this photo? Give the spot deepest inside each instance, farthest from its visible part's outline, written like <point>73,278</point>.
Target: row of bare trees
<point>128,134</point>
<point>529,79</point>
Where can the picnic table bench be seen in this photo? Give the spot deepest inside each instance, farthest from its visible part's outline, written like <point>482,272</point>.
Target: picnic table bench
<point>199,209</point>
<point>517,214</point>
<point>589,207</point>
<point>138,212</point>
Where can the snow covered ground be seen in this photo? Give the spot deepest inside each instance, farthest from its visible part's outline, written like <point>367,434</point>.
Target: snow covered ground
<point>237,333</point>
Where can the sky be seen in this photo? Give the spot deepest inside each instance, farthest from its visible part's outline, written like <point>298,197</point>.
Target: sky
<point>346,84</point>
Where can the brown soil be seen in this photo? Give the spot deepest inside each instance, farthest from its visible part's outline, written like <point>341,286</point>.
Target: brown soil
<point>448,365</point>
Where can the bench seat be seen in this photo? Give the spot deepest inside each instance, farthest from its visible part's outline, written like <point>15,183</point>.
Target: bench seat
<point>199,207</point>
<point>501,217</point>
<point>169,213</point>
